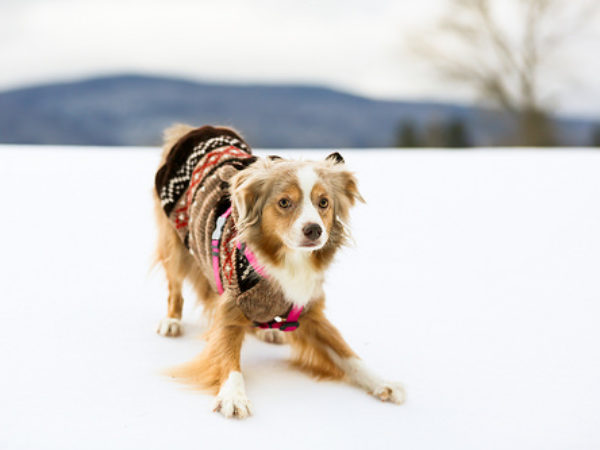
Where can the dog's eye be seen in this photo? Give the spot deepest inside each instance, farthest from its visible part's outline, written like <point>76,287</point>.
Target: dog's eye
<point>323,203</point>
<point>284,203</point>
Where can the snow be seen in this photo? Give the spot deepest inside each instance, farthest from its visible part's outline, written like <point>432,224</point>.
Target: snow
<point>474,280</point>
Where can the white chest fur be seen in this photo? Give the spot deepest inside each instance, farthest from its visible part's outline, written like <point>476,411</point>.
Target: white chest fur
<point>299,281</point>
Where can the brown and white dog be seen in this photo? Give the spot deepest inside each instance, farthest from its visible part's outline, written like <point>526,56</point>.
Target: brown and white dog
<point>254,237</point>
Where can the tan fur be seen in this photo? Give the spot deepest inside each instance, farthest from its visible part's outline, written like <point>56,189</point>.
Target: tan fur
<point>310,343</point>
<point>222,352</point>
<point>273,219</point>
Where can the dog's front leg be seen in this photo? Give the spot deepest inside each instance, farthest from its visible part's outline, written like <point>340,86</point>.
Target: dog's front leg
<point>224,348</point>
<point>231,401</point>
<point>217,368</point>
<point>360,375</point>
<point>321,349</point>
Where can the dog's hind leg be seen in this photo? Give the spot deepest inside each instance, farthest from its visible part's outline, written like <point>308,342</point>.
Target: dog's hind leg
<point>177,263</point>
<point>171,324</point>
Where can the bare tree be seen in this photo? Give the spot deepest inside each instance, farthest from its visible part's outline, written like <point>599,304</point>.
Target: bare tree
<point>502,60</point>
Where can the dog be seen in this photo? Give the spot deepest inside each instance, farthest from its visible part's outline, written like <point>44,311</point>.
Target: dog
<point>254,237</point>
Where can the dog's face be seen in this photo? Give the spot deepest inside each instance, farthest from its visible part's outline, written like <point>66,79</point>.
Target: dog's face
<point>287,205</point>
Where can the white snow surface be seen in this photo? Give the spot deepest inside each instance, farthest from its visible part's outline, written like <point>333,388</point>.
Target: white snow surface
<point>474,280</point>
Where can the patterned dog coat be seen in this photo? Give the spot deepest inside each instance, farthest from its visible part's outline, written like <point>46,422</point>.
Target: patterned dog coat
<point>193,187</point>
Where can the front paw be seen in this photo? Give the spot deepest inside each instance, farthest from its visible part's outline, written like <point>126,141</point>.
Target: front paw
<point>233,405</point>
<point>390,392</point>
<point>169,326</point>
<point>231,400</point>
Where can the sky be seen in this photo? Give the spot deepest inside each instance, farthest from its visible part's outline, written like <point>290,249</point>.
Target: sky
<point>363,47</point>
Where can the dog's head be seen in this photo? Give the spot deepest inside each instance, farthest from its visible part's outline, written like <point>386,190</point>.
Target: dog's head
<point>285,205</point>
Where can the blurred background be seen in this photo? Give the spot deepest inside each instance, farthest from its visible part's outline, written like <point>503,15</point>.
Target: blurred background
<point>382,73</point>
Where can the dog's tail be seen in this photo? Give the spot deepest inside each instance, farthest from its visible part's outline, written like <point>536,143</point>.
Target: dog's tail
<point>175,132</point>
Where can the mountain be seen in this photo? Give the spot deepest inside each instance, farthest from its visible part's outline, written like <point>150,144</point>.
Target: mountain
<point>134,109</point>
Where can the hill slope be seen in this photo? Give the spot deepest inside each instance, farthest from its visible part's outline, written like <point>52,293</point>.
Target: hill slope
<point>132,110</point>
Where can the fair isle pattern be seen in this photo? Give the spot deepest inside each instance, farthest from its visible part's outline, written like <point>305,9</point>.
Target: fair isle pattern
<point>228,247</point>
<point>197,177</point>
<point>176,186</point>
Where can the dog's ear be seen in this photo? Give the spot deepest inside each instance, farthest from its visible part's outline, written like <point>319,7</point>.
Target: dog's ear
<point>350,185</point>
<point>345,189</point>
<point>344,182</point>
<point>246,188</point>
<point>336,158</point>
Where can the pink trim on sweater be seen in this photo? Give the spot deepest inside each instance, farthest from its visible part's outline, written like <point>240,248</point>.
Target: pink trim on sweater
<point>215,261</point>
<point>251,257</point>
<point>294,314</point>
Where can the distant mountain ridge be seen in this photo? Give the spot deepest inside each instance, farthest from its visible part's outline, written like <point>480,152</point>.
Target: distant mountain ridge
<point>134,109</point>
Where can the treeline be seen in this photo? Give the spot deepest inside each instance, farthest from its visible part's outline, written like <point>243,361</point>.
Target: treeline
<point>451,134</point>
<point>455,133</point>
<point>596,136</point>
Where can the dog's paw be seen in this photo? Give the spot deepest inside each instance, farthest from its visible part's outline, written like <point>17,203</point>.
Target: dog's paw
<point>233,405</point>
<point>390,392</point>
<point>271,336</point>
<point>169,327</point>
<point>231,400</point>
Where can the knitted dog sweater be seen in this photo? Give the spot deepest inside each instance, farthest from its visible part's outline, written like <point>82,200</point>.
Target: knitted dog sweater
<point>193,187</point>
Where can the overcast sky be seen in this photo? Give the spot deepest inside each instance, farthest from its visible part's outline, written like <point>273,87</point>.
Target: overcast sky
<point>357,46</point>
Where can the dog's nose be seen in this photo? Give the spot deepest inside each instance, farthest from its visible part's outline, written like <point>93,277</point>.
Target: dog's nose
<point>312,231</point>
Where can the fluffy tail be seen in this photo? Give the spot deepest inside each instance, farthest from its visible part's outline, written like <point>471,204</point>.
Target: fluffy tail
<point>172,134</point>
